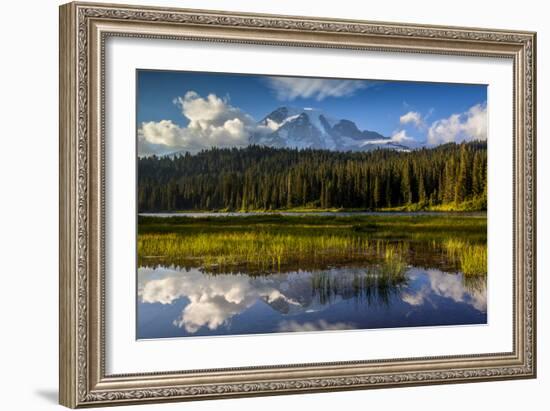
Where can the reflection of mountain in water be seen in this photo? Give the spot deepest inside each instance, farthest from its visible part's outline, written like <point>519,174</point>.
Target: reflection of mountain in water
<point>213,300</point>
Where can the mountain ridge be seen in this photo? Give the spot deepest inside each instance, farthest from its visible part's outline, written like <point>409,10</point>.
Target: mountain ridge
<point>291,127</point>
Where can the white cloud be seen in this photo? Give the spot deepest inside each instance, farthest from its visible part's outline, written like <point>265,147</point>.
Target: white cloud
<point>290,88</point>
<point>398,137</point>
<point>449,286</point>
<point>412,117</point>
<point>402,137</point>
<point>471,125</point>
<point>213,300</point>
<point>158,137</point>
<point>212,122</point>
<point>416,298</point>
<point>212,111</point>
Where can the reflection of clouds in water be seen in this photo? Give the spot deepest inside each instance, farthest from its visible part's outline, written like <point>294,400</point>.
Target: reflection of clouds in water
<point>210,302</point>
<point>446,285</point>
<point>213,300</point>
<point>416,298</point>
<point>321,325</point>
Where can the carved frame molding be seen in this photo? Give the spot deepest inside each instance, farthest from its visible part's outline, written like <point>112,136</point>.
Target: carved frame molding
<point>84,27</point>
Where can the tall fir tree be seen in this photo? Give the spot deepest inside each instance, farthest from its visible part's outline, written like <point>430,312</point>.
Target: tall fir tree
<point>267,178</point>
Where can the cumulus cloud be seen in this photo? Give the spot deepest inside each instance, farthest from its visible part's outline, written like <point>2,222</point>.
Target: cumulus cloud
<point>467,126</point>
<point>402,137</point>
<point>213,121</point>
<point>290,88</point>
<point>414,118</point>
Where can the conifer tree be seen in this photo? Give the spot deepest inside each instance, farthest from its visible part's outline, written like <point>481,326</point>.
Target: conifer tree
<point>267,178</point>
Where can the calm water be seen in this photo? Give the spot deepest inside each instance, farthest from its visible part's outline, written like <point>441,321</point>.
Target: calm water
<point>177,302</point>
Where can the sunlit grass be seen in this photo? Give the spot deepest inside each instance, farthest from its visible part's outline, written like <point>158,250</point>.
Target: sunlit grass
<point>472,258</point>
<point>395,261</point>
<point>451,222</point>
<point>275,242</point>
<point>260,249</point>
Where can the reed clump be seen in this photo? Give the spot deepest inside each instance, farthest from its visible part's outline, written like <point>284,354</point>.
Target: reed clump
<point>471,258</point>
<point>260,249</point>
<point>395,262</point>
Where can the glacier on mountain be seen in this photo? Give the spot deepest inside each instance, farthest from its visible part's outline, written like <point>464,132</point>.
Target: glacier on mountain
<point>291,127</point>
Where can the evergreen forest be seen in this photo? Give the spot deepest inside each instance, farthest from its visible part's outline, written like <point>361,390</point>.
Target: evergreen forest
<point>448,177</point>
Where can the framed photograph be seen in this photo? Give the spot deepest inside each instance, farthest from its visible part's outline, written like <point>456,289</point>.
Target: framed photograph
<point>259,204</point>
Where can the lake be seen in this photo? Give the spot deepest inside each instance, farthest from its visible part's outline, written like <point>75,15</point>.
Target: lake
<point>178,302</point>
<point>257,274</point>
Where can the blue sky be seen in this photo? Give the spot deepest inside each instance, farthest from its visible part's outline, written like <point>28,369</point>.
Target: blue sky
<point>382,106</point>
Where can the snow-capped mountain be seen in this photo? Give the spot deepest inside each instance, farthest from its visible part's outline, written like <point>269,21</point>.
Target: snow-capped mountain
<point>289,127</point>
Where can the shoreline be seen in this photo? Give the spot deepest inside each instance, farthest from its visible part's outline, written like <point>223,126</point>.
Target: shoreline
<point>320,213</point>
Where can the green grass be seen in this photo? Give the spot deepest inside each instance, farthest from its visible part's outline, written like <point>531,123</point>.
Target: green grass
<point>260,250</point>
<point>471,205</point>
<point>388,223</point>
<point>275,242</point>
<point>474,205</point>
<point>472,258</point>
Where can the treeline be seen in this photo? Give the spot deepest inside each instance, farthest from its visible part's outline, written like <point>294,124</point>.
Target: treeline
<point>263,178</point>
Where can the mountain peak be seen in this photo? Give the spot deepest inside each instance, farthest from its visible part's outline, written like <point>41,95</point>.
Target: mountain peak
<point>278,115</point>
<point>307,127</point>
<point>347,128</point>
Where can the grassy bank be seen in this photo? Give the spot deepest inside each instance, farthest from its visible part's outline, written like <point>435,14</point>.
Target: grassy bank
<point>465,206</point>
<point>476,205</point>
<point>419,227</point>
<point>276,242</point>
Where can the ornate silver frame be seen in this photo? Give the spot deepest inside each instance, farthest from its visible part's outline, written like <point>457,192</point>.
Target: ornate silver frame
<point>83,30</point>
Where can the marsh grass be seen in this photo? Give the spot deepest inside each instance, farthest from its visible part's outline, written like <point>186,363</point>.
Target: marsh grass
<point>390,224</point>
<point>371,285</point>
<point>262,249</point>
<point>270,243</point>
<point>395,261</point>
<point>472,258</point>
